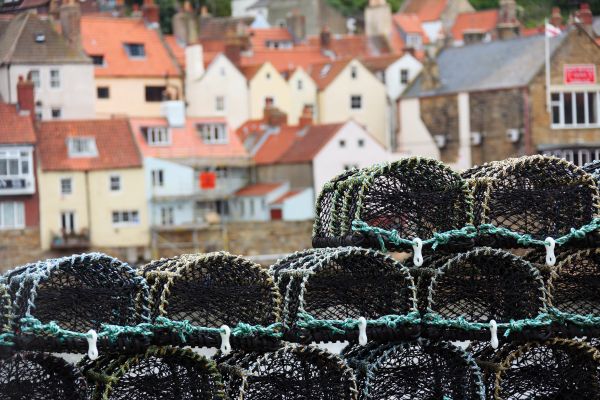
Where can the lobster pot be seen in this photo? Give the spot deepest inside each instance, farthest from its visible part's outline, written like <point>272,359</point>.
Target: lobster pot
<point>593,169</point>
<point>293,372</point>
<point>481,285</point>
<point>415,370</point>
<point>209,290</point>
<point>414,197</point>
<point>537,195</point>
<point>79,293</point>
<point>6,317</point>
<point>159,373</point>
<point>554,369</point>
<point>329,202</point>
<point>341,283</point>
<point>35,376</point>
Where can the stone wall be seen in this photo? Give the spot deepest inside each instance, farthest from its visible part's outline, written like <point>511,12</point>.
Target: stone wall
<point>18,247</point>
<point>440,116</point>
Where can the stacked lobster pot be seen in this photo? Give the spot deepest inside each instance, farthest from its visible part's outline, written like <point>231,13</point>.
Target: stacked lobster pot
<point>423,283</point>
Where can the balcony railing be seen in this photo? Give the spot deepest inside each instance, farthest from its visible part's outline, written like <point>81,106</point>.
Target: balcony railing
<point>18,184</point>
<point>71,241</point>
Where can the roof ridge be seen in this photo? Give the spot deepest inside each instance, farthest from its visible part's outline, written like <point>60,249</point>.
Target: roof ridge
<point>13,46</point>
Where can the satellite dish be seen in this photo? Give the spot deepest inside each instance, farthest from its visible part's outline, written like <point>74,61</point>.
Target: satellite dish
<point>351,25</point>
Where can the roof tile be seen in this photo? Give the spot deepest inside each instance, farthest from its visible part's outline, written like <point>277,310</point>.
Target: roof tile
<point>257,189</point>
<point>15,128</point>
<point>478,21</point>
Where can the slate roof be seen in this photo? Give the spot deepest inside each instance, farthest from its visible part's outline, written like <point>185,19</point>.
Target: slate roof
<point>499,64</point>
<point>18,42</point>
<point>15,128</point>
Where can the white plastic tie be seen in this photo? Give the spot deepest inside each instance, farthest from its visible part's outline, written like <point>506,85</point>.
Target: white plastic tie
<point>494,334</point>
<point>550,244</point>
<point>225,335</point>
<point>417,245</point>
<point>362,331</point>
<point>92,339</point>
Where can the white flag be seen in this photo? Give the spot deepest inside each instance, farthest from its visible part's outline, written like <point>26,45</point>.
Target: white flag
<point>551,30</point>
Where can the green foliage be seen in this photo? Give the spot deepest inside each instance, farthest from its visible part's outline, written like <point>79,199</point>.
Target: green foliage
<point>355,7</point>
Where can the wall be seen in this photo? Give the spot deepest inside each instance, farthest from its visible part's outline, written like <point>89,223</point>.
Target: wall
<point>318,14</point>
<point>300,207</point>
<point>246,238</point>
<point>298,175</point>
<point>221,78</point>
<point>75,96</point>
<point>440,116</point>
<point>260,204</point>
<point>414,138</point>
<point>393,84</point>
<point>18,247</point>
<point>268,83</point>
<point>301,97</point>
<point>334,101</point>
<point>128,96</point>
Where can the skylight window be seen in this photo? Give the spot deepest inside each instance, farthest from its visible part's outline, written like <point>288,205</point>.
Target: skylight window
<point>135,50</point>
<point>82,147</point>
<point>325,70</point>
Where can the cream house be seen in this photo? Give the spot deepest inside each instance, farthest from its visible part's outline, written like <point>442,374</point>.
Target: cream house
<point>132,67</point>
<point>348,90</point>
<point>219,91</point>
<point>91,184</point>
<point>267,85</point>
<point>303,93</point>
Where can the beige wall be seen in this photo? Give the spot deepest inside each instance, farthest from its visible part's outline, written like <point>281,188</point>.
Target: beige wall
<point>267,82</point>
<point>334,101</point>
<point>91,191</point>
<point>301,96</point>
<point>128,96</point>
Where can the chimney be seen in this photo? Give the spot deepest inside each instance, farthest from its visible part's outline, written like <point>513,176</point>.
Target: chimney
<point>325,37</point>
<point>184,24</point>
<point>585,16</point>
<point>556,19</point>
<point>378,18</point>
<point>151,13</point>
<point>508,25</point>
<point>194,62</point>
<point>306,119</point>
<point>296,24</point>
<point>233,46</point>
<point>204,12</point>
<point>273,116</point>
<point>431,73</point>
<point>70,22</point>
<point>26,96</point>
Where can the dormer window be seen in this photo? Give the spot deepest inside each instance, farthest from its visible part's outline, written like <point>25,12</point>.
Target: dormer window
<point>157,135</point>
<point>214,133</point>
<point>353,72</point>
<point>40,37</point>
<point>82,147</point>
<point>98,60</point>
<point>135,50</point>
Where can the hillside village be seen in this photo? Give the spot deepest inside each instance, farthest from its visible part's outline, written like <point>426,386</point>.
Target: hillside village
<point>117,137</point>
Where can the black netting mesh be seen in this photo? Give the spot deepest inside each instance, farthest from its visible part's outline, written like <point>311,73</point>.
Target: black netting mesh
<point>555,369</point>
<point>417,370</point>
<point>593,169</point>
<point>40,376</point>
<point>160,373</point>
<point>6,317</point>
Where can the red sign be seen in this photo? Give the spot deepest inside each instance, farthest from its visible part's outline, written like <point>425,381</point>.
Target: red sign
<point>208,180</point>
<point>579,74</point>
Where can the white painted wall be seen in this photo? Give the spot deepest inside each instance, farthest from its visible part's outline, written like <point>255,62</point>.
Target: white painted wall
<point>262,210</point>
<point>301,95</point>
<point>464,133</point>
<point>299,207</point>
<point>393,82</point>
<point>221,78</point>
<point>432,30</point>
<point>76,95</point>
<point>414,138</point>
<point>332,158</point>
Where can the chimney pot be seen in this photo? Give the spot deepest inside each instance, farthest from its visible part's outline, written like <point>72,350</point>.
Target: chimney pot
<point>306,119</point>
<point>26,96</point>
<point>151,13</point>
<point>325,37</point>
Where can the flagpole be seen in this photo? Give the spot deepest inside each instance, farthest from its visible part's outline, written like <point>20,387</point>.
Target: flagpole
<point>547,61</point>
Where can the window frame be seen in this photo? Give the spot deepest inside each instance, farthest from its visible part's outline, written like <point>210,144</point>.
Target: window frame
<point>62,184</point>
<point>18,217</point>
<point>115,188</point>
<point>158,177</point>
<point>157,135</point>
<point>56,112</point>
<point>404,80</point>
<point>92,151</point>
<point>55,81</point>
<point>131,45</point>
<point>213,133</point>
<point>103,89</point>
<point>220,103</point>
<point>150,92</point>
<point>353,97</point>
<point>559,105</point>
<point>37,82</point>
<point>133,218</point>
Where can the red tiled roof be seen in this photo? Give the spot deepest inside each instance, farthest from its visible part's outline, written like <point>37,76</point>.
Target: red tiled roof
<point>276,145</point>
<point>323,74</point>
<point>478,21</point>
<point>114,141</point>
<point>259,37</point>
<point>250,70</point>
<point>107,36</point>
<point>427,10</point>
<point>177,49</point>
<point>375,64</point>
<point>14,127</point>
<point>185,141</point>
<point>286,196</point>
<point>410,23</point>
<point>257,189</point>
<point>306,148</point>
<point>286,60</point>
<point>354,46</point>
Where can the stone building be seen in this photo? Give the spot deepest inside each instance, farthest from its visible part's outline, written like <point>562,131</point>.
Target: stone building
<point>488,101</point>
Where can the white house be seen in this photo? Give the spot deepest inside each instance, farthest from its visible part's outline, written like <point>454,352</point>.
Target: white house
<point>219,91</point>
<point>253,202</point>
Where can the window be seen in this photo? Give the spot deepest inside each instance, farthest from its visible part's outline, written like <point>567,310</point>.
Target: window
<point>222,71</point>
<point>242,208</point>
<point>103,92</point>
<point>574,109</point>
<point>221,172</point>
<point>66,186</point>
<point>268,75</point>
<point>353,72</point>
<point>98,60</point>
<point>157,135</point>
<point>356,102</point>
<point>115,183</point>
<point>213,133</point>
<point>300,84</point>
<point>56,112</point>
<point>125,217</point>
<point>67,222</point>
<point>82,147</point>
<point>167,216</point>
<point>135,50</point>
<point>157,178</point>
<point>414,41</point>
<point>342,143</point>
<point>263,204</point>
<point>12,215</point>
<point>404,76</point>
<point>220,103</point>
<point>155,93</point>
<point>54,78</point>
<point>38,112</point>
<point>34,76</point>
<point>14,163</point>
<point>361,142</point>
<point>578,156</point>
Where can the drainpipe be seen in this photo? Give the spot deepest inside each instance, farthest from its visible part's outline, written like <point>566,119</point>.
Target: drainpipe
<point>8,79</point>
<point>87,204</point>
<point>527,123</point>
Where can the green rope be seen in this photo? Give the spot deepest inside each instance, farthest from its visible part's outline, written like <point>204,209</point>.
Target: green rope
<point>243,329</point>
<point>6,339</point>
<point>307,321</point>
<point>542,320</point>
<point>588,320</point>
